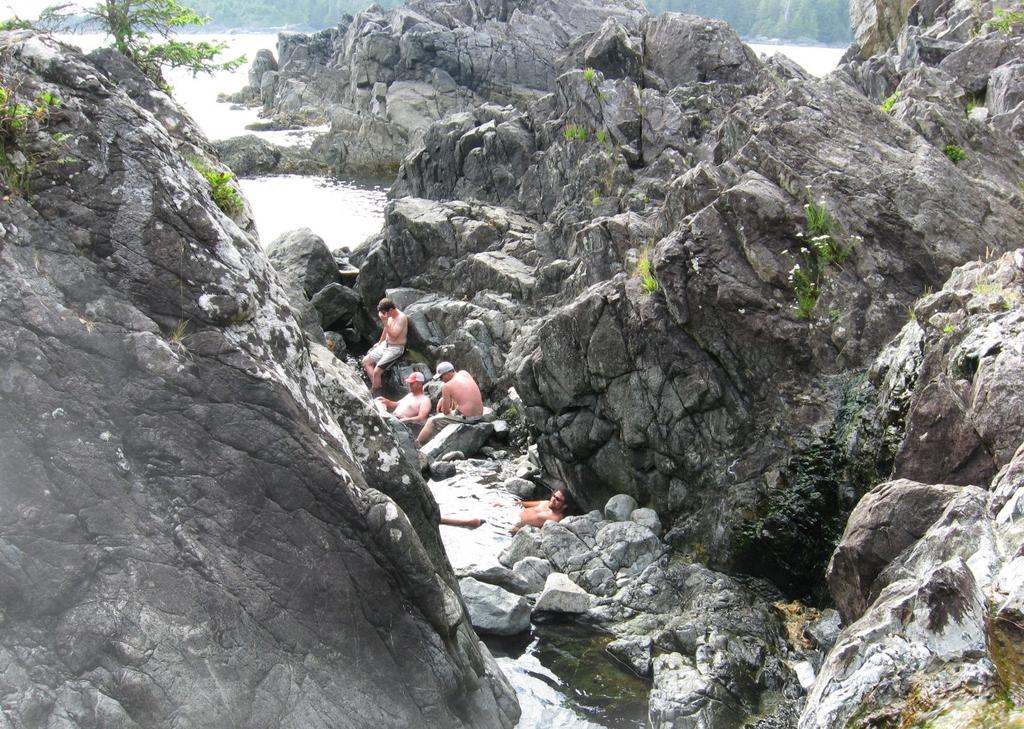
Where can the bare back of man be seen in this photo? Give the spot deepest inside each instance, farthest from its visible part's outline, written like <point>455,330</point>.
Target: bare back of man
<point>461,395</point>
<point>460,399</point>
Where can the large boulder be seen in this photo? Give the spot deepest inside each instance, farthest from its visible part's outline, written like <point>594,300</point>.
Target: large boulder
<point>494,609</point>
<point>924,609</point>
<point>683,49</point>
<point>180,506</point>
<point>303,261</point>
<point>886,521</point>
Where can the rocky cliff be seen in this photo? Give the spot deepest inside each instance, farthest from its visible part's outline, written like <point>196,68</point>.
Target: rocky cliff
<point>202,522</point>
<point>683,257</point>
<point>928,575</point>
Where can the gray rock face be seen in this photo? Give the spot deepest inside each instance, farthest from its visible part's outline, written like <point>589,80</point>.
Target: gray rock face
<point>647,518</point>
<point>877,23</point>
<point>634,653</point>
<point>533,571</point>
<point>303,261</point>
<point>619,507</point>
<point>457,437</point>
<point>686,49</point>
<point>250,155</point>
<point>195,480</point>
<point>494,609</point>
<point>715,645</point>
<point>384,76</point>
<point>562,595</point>
<point>887,520</point>
<point>922,603</point>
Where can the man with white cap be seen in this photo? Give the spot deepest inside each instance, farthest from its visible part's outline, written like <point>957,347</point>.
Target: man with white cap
<point>460,401</point>
<point>414,408</point>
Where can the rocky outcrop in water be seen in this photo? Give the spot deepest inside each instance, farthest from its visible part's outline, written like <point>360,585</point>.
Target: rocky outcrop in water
<point>714,648</point>
<point>202,521</point>
<point>383,77</point>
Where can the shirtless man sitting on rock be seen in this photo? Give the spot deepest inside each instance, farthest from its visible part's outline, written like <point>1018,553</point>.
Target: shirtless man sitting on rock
<point>536,513</point>
<point>391,344</point>
<point>460,401</point>
<point>414,408</point>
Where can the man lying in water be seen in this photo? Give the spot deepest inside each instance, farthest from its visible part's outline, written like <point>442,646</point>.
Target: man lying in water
<point>535,513</point>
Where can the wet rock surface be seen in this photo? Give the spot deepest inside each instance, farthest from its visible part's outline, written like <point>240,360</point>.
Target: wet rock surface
<point>194,531</point>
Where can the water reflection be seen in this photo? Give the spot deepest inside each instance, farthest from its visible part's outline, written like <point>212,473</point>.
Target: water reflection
<point>565,678</point>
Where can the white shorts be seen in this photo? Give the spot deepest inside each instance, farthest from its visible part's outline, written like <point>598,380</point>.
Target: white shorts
<point>383,354</point>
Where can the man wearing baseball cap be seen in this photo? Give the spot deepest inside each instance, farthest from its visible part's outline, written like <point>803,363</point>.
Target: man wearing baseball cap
<point>460,401</point>
<point>414,408</point>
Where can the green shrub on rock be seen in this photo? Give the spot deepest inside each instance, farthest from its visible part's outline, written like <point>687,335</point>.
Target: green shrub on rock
<point>954,152</point>
<point>890,101</point>
<point>221,189</point>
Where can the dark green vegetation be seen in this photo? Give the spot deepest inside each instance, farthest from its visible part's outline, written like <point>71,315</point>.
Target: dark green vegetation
<point>825,21</point>
<point>311,14</point>
<point>1005,20</point>
<point>791,540</point>
<point>955,153</point>
<point>132,26</point>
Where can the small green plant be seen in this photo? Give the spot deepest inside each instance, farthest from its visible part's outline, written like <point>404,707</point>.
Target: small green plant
<point>589,75</point>
<point>15,23</point>
<point>806,288</point>
<point>954,152</point>
<point>975,102</point>
<point>1005,20</point>
<point>574,133</point>
<point>177,334</point>
<point>890,101</point>
<point>645,270</point>
<point>819,221</point>
<point>221,189</point>
<point>821,250</point>
<point>948,328</point>
<point>595,198</point>
<point>18,121</point>
<point>601,136</point>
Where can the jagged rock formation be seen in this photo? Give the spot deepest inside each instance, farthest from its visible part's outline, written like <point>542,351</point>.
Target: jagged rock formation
<point>383,77</point>
<point>706,398</point>
<point>928,576</point>
<point>202,522</point>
